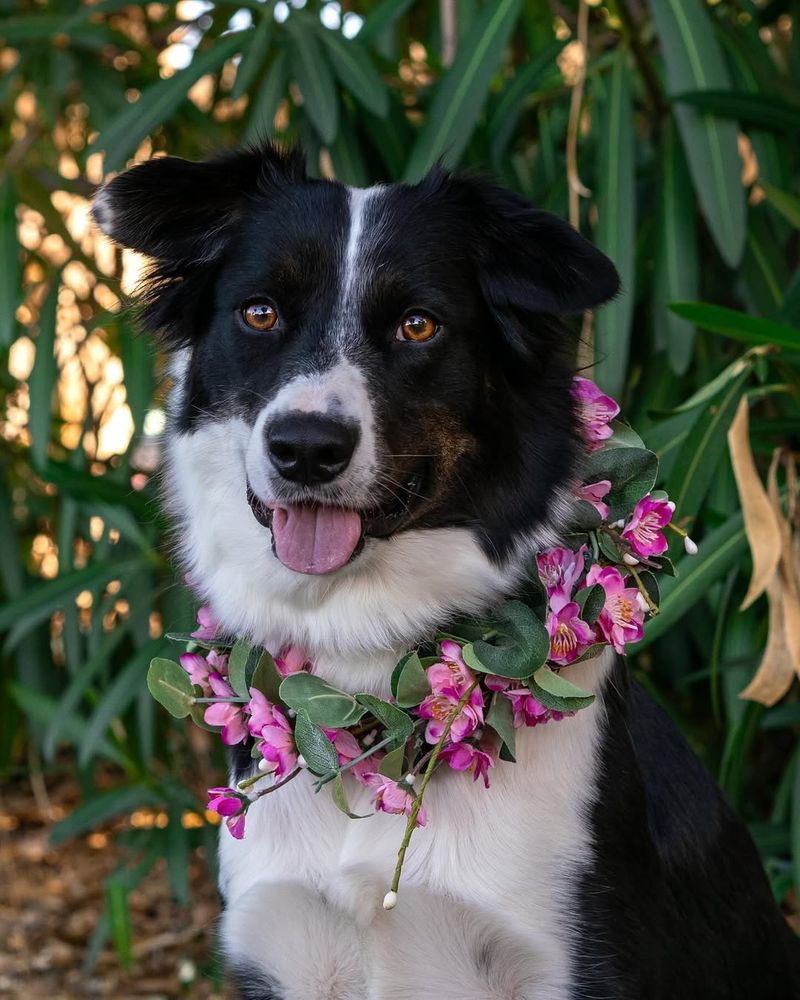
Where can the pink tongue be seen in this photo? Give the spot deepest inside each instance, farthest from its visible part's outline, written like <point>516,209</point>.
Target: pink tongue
<point>315,539</point>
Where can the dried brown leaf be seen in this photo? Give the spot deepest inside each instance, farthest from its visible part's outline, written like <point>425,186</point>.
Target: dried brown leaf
<point>761,525</point>
<point>775,673</point>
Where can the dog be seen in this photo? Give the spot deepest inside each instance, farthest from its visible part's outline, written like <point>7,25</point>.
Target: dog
<point>371,431</point>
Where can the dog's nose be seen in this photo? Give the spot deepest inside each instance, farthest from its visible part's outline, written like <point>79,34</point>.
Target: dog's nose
<point>309,448</point>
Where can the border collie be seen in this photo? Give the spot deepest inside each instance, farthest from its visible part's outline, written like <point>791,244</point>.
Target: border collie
<point>372,430</point>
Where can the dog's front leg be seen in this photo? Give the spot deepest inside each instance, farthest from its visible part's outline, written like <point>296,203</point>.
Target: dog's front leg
<point>284,941</point>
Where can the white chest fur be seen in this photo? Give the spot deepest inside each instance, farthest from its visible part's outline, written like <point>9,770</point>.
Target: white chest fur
<point>485,902</point>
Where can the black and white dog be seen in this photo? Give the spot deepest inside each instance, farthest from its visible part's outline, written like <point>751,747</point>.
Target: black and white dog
<point>372,430</point>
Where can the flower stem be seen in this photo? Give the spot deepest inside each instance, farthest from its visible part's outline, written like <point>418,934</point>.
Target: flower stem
<point>417,803</point>
<point>220,701</point>
<point>652,607</point>
<point>280,784</point>
<point>624,546</point>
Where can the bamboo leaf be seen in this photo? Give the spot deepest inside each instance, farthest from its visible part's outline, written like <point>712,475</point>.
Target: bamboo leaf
<point>314,78</point>
<point>99,809</point>
<point>10,256</point>
<point>739,325</point>
<point>765,111</point>
<point>693,62</point>
<point>462,90</point>
<point>160,101</point>
<point>265,104</point>
<point>356,72</point>
<point>676,254</point>
<point>381,18</point>
<point>787,204</point>
<point>254,55</point>
<point>615,233</point>
<point>43,377</point>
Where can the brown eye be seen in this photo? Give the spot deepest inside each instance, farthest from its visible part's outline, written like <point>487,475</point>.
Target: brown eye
<point>260,315</point>
<point>417,327</point>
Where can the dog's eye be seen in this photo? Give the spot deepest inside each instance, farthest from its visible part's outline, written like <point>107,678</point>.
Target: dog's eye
<point>260,315</point>
<point>417,326</point>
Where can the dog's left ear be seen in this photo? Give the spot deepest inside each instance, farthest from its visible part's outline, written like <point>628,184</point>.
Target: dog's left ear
<point>533,262</point>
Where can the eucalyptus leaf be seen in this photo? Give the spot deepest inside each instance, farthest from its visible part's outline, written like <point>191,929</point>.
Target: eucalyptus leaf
<point>393,764</point>
<point>266,677</point>
<point>557,693</point>
<point>237,668</point>
<point>319,753</point>
<point>169,684</point>
<point>632,472</point>
<point>591,601</point>
<point>500,717</point>
<point>325,705</point>
<point>340,798</point>
<point>412,685</point>
<point>398,724</point>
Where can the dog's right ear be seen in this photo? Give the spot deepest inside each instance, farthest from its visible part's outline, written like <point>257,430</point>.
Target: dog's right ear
<point>180,211</point>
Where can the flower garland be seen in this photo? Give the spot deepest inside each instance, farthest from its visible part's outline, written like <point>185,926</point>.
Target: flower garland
<point>458,700</point>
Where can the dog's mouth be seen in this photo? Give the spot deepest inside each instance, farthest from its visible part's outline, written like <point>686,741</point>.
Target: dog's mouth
<point>316,538</point>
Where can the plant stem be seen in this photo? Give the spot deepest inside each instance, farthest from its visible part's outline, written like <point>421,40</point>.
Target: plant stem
<point>417,804</point>
<point>652,607</point>
<point>220,701</point>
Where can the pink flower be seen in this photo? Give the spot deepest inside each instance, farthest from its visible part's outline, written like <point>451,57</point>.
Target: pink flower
<point>208,627</point>
<point>231,806</point>
<point>198,668</point>
<point>593,493</point>
<point>594,411</point>
<point>643,530</point>
<point>230,716</point>
<point>559,570</point>
<point>450,679</point>
<point>570,636</point>
<point>259,712</point>
<point>348,748</point>
<point>529,711</point>
<point>277,744</point>
<point>466,757</point>
<point>291,660</point>
<point>622,618</point>
<point>496,683</point>
<point>389,797</point>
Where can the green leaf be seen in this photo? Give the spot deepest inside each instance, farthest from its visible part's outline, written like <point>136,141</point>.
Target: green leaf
<point>160,101</point>
<point>523,644</point>
<point>340,798</point>
<point>325,705</point>
<point>254,55</point>
<point>312,73</point>
<point>119,916</point>
<point>265,104</point>
<point>267,678</point>
<point>615,232</point>
<point>393,764</point>
<point>693,61</point>
<point>42,380</point>
<point>632,472</point>
<point>237,667</point>
<point>411,686</point>
<point>676,274</point>
<point>10,272</point>
<point>461,93</point>
<point>318,751</point>
<point>763,110</point>
<point>608,547</point>
<point>169,684</point>
<point>382,17</point>
<point>739,325</point>
<point>719,551</point>
<point>36,604</point>
<point>787,204</point>
<point>500,717</point>
<point>591,601</point>
<point>557,693</point>
<point>356,72</point>
<point>396,722</point>
<point>102,807</point>
<point>703,448</point>
<point>624,436</point>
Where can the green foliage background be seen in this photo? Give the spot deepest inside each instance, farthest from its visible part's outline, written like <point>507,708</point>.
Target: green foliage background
<point>686,140</point>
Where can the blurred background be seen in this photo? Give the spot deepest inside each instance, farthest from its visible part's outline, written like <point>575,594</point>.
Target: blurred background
<point>666,131</point>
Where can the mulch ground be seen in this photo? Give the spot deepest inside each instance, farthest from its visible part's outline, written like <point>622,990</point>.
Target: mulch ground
<point>52,898</point>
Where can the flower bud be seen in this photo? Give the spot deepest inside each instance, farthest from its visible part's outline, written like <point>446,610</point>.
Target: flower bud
<point>187,972</point>
<point>690,546</point>
<point>630,560</point>
<point>301,761</point>
<point>264,765</point>
<point>390,900</point>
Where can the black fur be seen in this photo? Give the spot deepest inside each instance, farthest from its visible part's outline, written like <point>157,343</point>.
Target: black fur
<point>676,903</point>
<point>250,983</point>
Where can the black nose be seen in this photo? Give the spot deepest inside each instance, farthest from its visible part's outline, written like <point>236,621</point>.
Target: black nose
<point>309,448</point>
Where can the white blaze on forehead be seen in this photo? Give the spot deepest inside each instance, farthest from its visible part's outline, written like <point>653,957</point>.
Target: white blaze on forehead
<point>357,239</point>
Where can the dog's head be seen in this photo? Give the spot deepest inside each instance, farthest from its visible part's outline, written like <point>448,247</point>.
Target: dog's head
<point>372,424</point>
